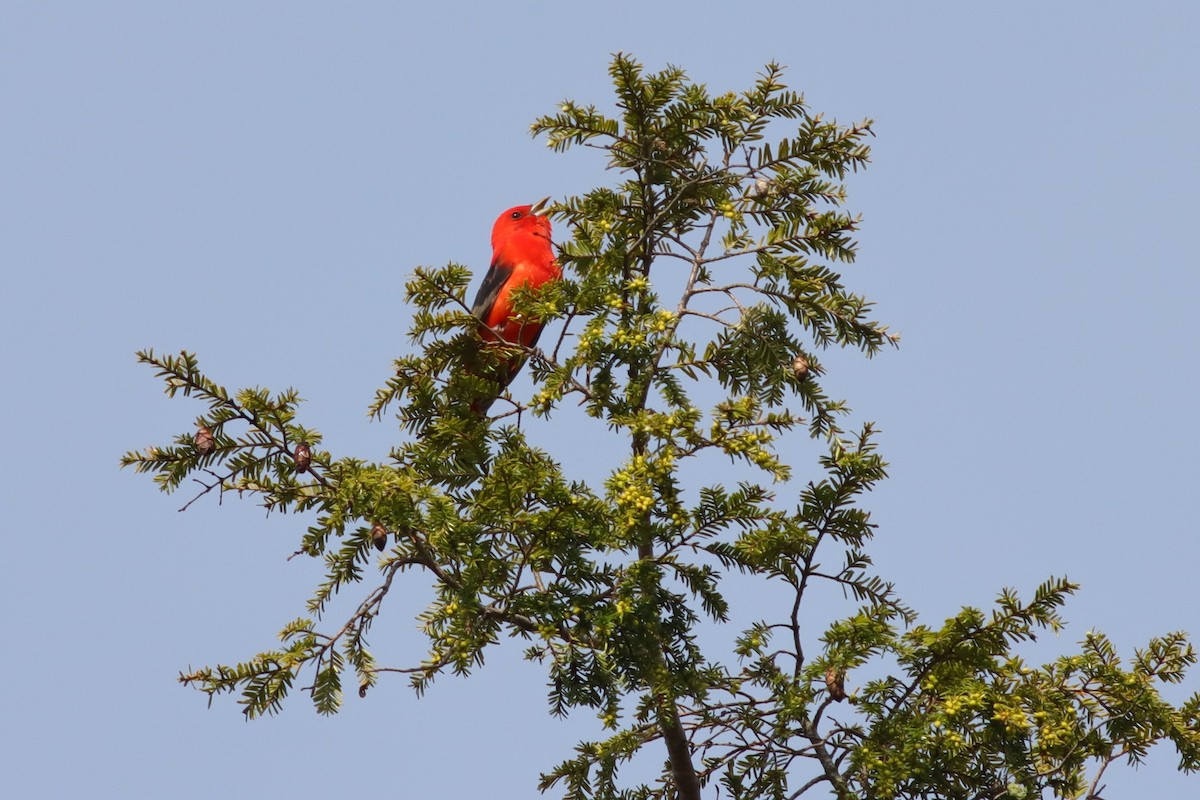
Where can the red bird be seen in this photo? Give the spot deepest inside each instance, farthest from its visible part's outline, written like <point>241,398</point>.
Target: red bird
<point>522,255</point>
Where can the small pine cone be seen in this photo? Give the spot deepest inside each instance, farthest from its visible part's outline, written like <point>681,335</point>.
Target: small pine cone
<point>303,456</point>
<point>835,682</point>
<point>204,441</point>
<point>378,536</point>
<point>800,367</point>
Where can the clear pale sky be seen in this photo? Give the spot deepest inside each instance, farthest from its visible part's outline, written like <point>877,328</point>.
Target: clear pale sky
<point>254,182</point>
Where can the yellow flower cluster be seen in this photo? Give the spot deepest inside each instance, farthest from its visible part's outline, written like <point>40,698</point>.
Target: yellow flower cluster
<point>628,337</point>
<point>953,740</point>
<point>662,320</point>
<point>1012,717</point>
<point>635,497</point>
<point>1054,734</point>
<point>634,492</point>
<point>960,702</point>
<point>633,485</point>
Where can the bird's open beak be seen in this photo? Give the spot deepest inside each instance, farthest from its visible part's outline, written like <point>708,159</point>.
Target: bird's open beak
<point>539,206</point>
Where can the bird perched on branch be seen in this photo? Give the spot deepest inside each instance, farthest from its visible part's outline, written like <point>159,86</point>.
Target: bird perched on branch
<point>522,255</point>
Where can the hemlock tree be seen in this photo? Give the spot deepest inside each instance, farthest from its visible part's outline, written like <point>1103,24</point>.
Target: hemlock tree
<point>699,290</point>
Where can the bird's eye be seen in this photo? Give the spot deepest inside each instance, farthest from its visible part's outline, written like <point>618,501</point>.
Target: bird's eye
<point>515,215</point>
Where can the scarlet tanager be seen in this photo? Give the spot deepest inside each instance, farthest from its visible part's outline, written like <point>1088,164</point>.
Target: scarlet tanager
<point>522,255</point>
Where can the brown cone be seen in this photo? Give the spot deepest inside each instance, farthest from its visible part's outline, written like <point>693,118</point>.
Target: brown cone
<point>303,456</point>
<point>800,367</point>
<point>378,536</point>
<point>835,682</point>
<point>204,441</point>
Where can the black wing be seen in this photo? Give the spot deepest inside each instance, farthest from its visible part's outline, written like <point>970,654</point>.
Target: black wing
<point>493,282</point>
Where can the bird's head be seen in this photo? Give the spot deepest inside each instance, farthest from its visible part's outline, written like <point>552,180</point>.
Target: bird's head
<point>521,221</point>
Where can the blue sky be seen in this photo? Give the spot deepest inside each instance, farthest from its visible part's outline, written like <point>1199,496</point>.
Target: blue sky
<point>254,182</point>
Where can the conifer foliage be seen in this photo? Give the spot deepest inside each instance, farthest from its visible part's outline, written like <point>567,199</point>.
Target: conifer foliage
<point>701,288</point>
